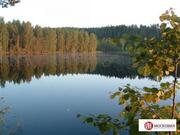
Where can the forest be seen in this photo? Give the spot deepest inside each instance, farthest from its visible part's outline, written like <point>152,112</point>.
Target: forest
<point>22,37</point>
<point>120,30</point>
<point>119,38</point>
<point>17,37</point>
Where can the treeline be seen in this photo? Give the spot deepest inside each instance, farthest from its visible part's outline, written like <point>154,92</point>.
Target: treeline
<point>120,38</point>
<point>121,44</point>
<point>118,31</point>
<point>20,37</point>
<point>17,37</point>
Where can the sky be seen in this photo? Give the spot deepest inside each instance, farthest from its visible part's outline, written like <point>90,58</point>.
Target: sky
<point>89,13</point>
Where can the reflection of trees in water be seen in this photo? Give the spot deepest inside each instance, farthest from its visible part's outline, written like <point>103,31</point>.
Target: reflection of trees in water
<point>8,126</point>
<point>19,69</point>
<point>115,66</point>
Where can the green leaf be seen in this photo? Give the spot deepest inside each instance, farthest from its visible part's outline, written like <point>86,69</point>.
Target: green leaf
<point>165,85</point>
<point>141,70</point>
<point>115,132</point>
<point>163,26</point>
<point>118,93</point>
<point>152,90</point>
<point>89,120</point>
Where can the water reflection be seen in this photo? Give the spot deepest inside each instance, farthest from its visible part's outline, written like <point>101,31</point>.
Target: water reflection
<point>112,65</point>
<point>60,86</point>
<point>20,69</point>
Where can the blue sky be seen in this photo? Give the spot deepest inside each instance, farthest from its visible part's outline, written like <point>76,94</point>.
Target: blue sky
<point>89,13</point>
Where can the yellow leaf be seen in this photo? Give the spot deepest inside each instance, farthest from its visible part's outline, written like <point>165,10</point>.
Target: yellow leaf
<point>159,94</point>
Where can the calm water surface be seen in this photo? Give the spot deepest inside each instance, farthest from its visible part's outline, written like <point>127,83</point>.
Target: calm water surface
<point>43,94</point>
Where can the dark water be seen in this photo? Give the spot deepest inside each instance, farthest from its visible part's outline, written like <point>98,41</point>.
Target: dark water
<point>43,94</point>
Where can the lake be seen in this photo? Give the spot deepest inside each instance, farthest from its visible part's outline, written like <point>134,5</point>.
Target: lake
<point>42,94</point>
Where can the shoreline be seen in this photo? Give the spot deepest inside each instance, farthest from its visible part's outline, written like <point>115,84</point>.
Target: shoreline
<point>41,53</point>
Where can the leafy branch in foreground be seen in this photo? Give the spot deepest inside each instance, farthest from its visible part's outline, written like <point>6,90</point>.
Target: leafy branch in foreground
<point>103,122</point>
<point>5,3</point>
<point>136,103</point>
<point>160,58</point>
<point>156,58</point>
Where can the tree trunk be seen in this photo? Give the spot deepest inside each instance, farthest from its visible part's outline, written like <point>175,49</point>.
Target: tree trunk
<point>174,91</point>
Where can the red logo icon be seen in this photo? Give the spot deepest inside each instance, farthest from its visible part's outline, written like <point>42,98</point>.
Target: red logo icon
<point>148,125</point>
